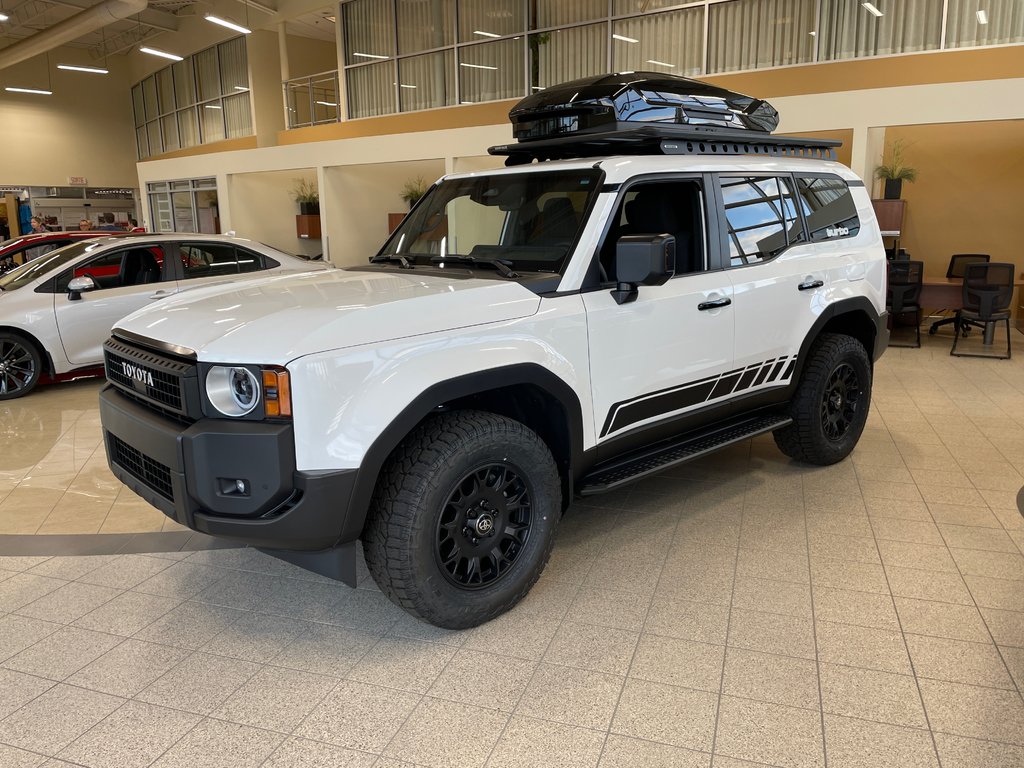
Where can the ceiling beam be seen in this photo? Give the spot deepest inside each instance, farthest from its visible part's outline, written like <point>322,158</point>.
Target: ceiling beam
<point>152,17</point>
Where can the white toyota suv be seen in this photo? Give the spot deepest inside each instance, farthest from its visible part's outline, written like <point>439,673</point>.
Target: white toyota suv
<point>632,298</point>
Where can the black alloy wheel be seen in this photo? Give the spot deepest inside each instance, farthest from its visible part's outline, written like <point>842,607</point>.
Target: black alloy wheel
<point>19,367</point>
<point>840,402</point>
<point>484,526</point>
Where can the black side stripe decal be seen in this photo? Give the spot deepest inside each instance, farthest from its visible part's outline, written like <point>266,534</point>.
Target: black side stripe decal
<point>627,412</point>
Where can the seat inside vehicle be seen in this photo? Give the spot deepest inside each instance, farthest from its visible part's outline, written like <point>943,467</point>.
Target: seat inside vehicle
<point>140,267</point>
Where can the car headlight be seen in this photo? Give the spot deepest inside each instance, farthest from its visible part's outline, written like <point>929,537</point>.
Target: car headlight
<point>238,390</point>
<point>233,391</point>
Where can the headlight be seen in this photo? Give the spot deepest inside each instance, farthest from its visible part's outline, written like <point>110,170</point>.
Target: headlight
<point>233,391</point>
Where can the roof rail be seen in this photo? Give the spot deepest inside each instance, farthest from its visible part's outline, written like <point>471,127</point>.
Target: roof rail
<point>666,140</point>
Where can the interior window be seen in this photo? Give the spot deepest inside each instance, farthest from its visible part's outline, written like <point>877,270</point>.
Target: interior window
<point>762,218</point>
<point>117,269</point>
<point>661,207</point>
<point>215,259</point>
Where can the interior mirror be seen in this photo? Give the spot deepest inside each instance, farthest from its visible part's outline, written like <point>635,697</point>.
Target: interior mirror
<point>80,285</point>
<point>642,260</point>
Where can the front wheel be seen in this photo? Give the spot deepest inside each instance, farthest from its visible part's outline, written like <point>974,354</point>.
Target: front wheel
<point>831,404</point>
<point>20,366</point>
<point>463,518</point>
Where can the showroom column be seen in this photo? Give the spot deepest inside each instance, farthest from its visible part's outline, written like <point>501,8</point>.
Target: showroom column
<point>265,86</point>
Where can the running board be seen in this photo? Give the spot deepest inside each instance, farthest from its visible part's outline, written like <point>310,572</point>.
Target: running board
<point>680,452</point>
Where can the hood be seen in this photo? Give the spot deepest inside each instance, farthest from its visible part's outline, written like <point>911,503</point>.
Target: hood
<point>277,319</point>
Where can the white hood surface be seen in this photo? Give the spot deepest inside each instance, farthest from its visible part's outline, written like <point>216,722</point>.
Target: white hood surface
<point>294,315</point>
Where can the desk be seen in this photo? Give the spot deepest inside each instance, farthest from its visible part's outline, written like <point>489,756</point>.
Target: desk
<point>948,293</point>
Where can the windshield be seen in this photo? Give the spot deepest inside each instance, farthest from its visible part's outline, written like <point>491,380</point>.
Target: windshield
<point>44,265</point>
<point>528,220</point>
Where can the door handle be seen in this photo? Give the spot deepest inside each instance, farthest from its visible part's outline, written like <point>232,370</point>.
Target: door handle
<point>810,285</point>
<point>714,304</point>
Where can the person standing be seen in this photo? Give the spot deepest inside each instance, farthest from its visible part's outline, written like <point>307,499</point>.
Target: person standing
<point>85,225</point>
<point>37,225</point>
<point>133,226</point>
<point>108,223</point>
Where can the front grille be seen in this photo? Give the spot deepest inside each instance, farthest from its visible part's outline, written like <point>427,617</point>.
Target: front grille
<point>163,382</point>
<point>154,474</point>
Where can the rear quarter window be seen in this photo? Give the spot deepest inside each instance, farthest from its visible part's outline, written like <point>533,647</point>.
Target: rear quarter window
<point>828,207</point>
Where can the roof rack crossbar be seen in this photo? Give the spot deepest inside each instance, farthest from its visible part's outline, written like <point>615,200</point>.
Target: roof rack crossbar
<point>666,140</point>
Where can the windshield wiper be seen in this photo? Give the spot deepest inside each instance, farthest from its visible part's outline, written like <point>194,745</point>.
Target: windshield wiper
<point>403,263</point>
<point>502,265</point>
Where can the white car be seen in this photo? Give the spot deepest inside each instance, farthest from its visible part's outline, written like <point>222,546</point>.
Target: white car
<point>57,310</point>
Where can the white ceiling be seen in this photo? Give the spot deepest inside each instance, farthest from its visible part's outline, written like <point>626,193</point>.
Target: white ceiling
<point>31,17</point>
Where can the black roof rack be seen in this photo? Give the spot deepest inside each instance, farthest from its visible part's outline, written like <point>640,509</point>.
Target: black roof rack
<point>666,140</point>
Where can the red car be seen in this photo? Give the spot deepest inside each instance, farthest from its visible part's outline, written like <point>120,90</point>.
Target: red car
<point>27,247</point>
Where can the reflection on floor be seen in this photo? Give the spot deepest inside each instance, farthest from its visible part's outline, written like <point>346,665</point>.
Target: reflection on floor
<point>53,469</point>
<point>738,612</point>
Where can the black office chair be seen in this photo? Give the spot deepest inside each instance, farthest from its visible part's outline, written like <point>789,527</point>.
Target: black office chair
<point>903,295</point>
<point>957,268</point>
<point>988,288</point>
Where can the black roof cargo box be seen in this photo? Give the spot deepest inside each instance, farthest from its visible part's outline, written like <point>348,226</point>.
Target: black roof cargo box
<point>626,100</point>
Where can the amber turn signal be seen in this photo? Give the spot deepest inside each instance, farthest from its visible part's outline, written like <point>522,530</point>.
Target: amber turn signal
<point>277,392</point>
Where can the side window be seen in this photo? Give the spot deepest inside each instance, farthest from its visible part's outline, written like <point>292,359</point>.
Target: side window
<point>762,218</point>
<point>661,207</point>
<point>216,259</point>
<point>36,251</point>
<point>117,269</point>
<point>828,208</point>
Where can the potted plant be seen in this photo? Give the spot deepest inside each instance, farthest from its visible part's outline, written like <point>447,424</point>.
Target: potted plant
<point>895,171</point>
<point>307,196</point>
<point>413,190</point>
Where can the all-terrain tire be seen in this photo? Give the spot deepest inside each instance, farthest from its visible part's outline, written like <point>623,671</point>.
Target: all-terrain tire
<point>21,364</point>
<point>463,485</point>
<point>830,407</point>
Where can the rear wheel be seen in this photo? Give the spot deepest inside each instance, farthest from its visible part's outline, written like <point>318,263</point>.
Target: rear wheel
<point>463,518</point>
<point>831,404</point>
<point>20,366</point>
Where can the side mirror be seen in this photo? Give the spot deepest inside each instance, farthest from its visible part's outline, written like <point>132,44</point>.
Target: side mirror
<point>80,285</point>
<point>642,260</point>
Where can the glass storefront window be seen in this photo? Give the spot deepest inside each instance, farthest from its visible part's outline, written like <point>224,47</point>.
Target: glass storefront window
<point>191,206</point>
<point>849,30</point>
<point>484,19</point>
<point>169,126</point>
<point>369,31</point>
<point>491,71</point>
<point>751,34</point>
<point>211,120</point>
<point>184,83</point>
<point>371,90</point>
<point>567,54</point>
<point>237,116</point>
<point>188,127</point>
<point>984,22</point>
<point>671,42</point>
<point>423,26</point>
<point>557,13</point>
<point>427,81</point>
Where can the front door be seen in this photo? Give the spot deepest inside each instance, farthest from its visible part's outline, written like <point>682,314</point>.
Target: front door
<point>665,353</point>
<point>127,279</point>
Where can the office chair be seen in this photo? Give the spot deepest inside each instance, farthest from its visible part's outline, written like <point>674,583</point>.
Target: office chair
<point>903,295</point>
<point>988,288</point>
<point>957,265</point>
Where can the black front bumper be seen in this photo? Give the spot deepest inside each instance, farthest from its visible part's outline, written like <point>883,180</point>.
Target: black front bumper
<point>188,471</point>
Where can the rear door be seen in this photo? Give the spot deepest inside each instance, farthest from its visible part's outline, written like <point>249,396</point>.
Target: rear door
<point>780,281</point>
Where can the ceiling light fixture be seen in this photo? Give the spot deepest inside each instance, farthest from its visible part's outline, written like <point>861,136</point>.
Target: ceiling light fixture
<point>370,56</point>
<point>625,39</point>
<point>813,34</point>
<point>240,88</point>
<point>476,66</point>
<point>76,68</point>
<point>661,63</point>
<point>982,17</point>
<point>229,24</point>
<point>4,17</point>
<point>404,85</point>
<point>163,54</point>
<point>326,103</point>
<point>871,9</point>
<point>211,106</point>
<point>29,90</point>
<point>485,34</point>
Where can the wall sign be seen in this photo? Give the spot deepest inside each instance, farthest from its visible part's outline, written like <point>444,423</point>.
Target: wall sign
<point>77,181</point>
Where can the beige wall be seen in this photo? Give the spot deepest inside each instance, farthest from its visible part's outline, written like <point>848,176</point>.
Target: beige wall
<point>310,57</point>
<point>84,129</point>
<point>264,209</point>
<point>968,196</point>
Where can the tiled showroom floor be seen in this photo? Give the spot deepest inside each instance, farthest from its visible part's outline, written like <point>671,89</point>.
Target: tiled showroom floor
<point>869,614</point>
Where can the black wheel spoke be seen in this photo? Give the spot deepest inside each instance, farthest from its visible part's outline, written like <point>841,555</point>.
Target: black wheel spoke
<point>484,526</point>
